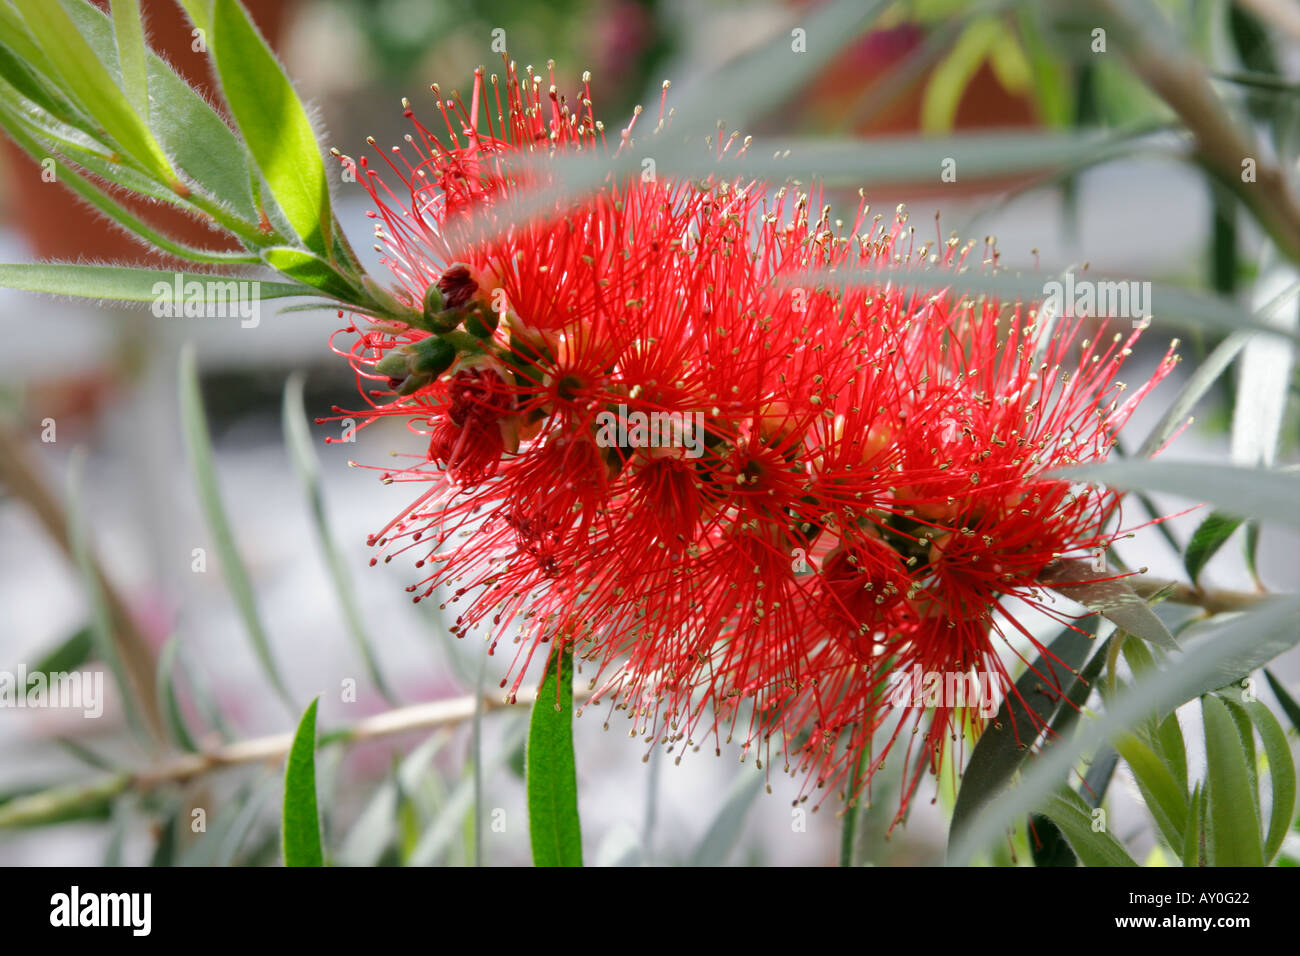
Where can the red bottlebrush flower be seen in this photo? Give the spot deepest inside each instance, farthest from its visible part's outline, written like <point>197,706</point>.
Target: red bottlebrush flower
<point>659,432</point>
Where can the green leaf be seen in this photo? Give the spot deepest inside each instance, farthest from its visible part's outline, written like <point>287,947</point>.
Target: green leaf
<point>101,614</point>
<point>312,271</point>
<point>301,824</point>
<point>1192,836</point>
<point>434,841</point>
<point>1173,749</point>
<point>199,12</point>
<point>1249,492</point>
<point>949,80</point>
<point>1109,596</point>
<point>724,831</point>
<point>172,712</point>
<point>1246,734</point>
<point>103,201</point>
<point>1163,796</point>
<point>85,77</point>
<point>63,804</point>
<point>191,132</point>
<point>1287,702</point>
<point>1216,654</point>
<point>199,443</point>
<point>70,654</point>
<point>128,28</point>
<point>32,86</point>
<point>1213,532</point>
<point>273,122</point>
<point>552,776</point>
<point>1281,771</point>
<point>1251,548</point>
<point>1093,847</point>
<point>376,825</point>
<point>1264,371</point>
<point>298,440</point>
<point>1194,389</point>
<point>1048,844</point>
<point>122,284</point>
<point>1233,824</point>
<point>1005,743</point>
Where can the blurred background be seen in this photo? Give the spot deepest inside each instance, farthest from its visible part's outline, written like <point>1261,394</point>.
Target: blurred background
<point>105,379</point>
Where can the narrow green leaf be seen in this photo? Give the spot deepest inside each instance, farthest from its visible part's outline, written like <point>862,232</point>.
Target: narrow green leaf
<point>949,80</point>
<point>1217,653</point>
<point>196,136</point>
<point>1209,537</point>
<point>552,776</point>
<point>101,615</point>
<point>1284,698</point>
<point>1173,749</point>
<point>1093,847</point>
<point>199,443</point>
<point>1099,776</point>
<point>313,271</point>
<point>34,87</point>
<point>244,822</point>
<point>273,122</point>
<point>1282,773</point>
<point>1249,492</point>
<point>103,201</point>
<point>1005,743</point>
<point>172,712</point>
<point>1233,823</point>
<point>1251,548</point>
<point>1048,845</point>
<point>1164,797</point>
<point>437,837</point>
<point>1264,371</point>
<point>1194,389</point>
<point>724,831</point>
<point>298,440</point>
<point>376,825</point>
<point>128,28</point>
<point>85,77</point>
<point>1114,599</point>
<point>63,804</point>
<point>15,34</point>
<point>1192,836</point>
<point>1246,734</point>
<point>122,284</point>
<point>199,12</point>
<point>69,655</point>
<point>301,824</point>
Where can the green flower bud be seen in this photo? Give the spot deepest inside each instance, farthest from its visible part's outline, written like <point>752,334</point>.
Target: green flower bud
<point>481,321</point>
<point>431,356</point>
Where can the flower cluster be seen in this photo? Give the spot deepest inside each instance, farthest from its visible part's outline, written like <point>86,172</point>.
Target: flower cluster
<point>746,460</point>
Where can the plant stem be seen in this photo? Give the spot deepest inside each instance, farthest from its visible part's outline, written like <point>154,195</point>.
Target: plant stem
<point>41,807</point>
<point>1213,600</point>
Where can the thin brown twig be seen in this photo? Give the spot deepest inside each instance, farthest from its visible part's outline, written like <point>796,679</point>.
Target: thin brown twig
<point>63,802</point>
<point>1212,600</point>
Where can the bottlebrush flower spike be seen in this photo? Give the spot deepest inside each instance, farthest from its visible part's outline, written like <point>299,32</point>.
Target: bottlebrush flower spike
<point>655,428</point>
